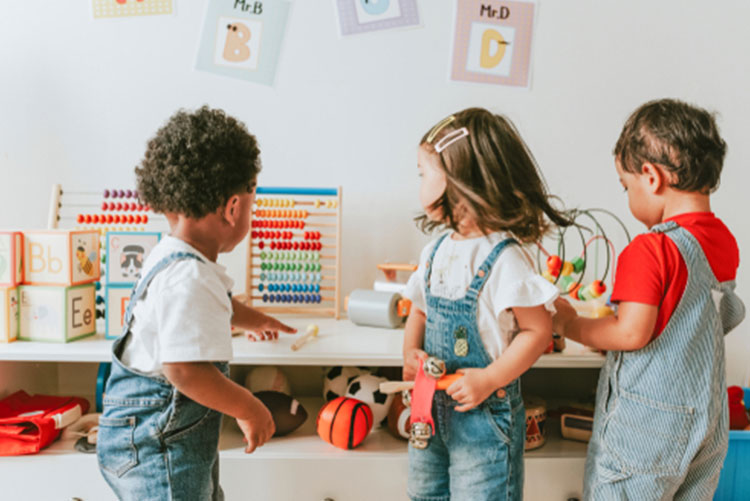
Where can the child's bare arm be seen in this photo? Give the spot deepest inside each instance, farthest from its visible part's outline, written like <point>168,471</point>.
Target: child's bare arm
<point>250,319</point>
<point>205,384</point>
<point>631,329</point>
<point>535,335</point>
<point>413,342</point>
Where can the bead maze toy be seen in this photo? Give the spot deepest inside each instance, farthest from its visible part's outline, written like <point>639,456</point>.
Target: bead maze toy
<point>294,251</point>
<point>569,275</point>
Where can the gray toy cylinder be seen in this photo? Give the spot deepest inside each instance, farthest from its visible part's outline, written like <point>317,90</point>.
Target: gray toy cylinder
<point>374,308</point>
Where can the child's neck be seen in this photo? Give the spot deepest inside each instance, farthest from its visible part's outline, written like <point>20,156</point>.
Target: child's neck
<point>199,233</point>
<point>684,203</point>
<point>467,230</point>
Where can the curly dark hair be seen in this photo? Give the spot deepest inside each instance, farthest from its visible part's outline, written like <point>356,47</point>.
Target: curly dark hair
<point>682,138</point>
<point>495,174</point>
<point>196,162</point>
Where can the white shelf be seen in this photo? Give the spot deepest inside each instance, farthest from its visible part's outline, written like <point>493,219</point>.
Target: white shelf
<point>304,443</point>
<point>339,342</point>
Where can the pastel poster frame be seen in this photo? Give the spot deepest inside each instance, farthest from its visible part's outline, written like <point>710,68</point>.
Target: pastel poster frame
<point>243,38</point>
<point>102,9</point>
<point>492,42</point>
<point>362,16</point>
<point>136,246</point>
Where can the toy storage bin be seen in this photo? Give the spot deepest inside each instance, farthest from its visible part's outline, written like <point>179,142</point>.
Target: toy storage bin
<point>734,482</point>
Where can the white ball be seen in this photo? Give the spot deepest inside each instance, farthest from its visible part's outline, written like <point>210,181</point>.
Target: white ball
<point>267,378</point>
<point>337,379</point>
<point>366,388</point>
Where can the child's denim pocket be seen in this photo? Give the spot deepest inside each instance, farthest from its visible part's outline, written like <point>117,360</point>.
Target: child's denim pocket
<point>500,416</point>
<point>115,446</point>
<point>648,436</point>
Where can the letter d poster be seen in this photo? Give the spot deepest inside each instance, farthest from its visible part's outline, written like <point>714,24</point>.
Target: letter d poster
<point>242,38</point>
<point>492,42</point>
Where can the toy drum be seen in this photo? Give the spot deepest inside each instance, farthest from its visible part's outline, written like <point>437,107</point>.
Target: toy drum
<point>536,417</point>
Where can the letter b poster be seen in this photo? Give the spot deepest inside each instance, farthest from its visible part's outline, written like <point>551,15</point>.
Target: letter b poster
<point>242,38</point>
<point>492,42</point>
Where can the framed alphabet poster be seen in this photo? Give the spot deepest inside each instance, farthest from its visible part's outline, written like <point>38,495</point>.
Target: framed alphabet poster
<point>242,38</point>
<point>492,41</point>
<point>360,16</point>
<point>130,8</point>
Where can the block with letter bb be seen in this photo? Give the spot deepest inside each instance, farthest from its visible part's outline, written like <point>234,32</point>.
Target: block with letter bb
<point>61,257</point>
<point>56,314</point>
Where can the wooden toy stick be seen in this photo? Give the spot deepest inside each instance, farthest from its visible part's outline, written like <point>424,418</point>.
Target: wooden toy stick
<point>395,386</point>
<point>312,331</point>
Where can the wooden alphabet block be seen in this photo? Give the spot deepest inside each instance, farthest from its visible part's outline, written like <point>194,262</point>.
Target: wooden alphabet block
<point>8,314</point>
<point>117,299</point>
<point>11,258</point>
<point>126,252</point>
<point>61,257</point>
<point>57,314</point>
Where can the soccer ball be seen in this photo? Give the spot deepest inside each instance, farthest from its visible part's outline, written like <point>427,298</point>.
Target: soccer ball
<point>367,389</point>
<point>337,380</point>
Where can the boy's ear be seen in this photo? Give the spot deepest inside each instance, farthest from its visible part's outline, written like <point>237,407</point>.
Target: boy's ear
<point>231,210</point>
<point>654,177</point>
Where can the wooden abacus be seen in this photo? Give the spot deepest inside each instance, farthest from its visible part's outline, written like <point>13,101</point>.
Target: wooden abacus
<point>107,210</point>
<point>294,251</point>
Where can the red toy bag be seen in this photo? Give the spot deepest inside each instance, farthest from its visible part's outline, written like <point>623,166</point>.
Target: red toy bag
<point>30,423</point>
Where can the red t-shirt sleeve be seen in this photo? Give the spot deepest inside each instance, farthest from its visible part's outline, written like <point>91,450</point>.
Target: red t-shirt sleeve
<point>640,274</point>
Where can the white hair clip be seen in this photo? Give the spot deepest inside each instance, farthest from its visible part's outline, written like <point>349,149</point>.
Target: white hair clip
<point>451,138</point>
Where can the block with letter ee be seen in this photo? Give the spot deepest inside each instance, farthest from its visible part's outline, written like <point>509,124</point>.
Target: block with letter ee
<point>57,314</point>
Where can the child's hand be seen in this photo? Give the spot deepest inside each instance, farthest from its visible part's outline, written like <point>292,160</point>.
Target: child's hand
<point>565,313</point>
<point>268,329</point>
<point>472,389</point>
<point>259,428</point>
<point>411,362</point>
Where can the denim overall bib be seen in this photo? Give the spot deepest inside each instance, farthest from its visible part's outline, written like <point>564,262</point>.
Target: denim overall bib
<point>661,421</point>
<point>154,442</point>
<point>475,455</point>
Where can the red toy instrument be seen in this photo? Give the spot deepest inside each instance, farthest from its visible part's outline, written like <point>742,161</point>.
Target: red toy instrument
<point>30,423</point>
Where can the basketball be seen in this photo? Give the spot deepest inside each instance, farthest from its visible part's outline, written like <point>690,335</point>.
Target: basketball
<point>344,422</point>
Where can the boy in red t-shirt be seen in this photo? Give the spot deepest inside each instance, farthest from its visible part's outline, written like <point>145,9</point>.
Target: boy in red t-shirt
<point>661,420</point>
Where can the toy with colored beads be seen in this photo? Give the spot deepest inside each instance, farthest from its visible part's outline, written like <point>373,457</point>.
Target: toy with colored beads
<point>569,275</point>
<point>108,210</point>
<point>294,252</point>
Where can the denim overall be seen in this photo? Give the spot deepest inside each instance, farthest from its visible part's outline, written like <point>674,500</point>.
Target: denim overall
<point>475,455</point>
<point>661,421</point>
<point>154,442</point>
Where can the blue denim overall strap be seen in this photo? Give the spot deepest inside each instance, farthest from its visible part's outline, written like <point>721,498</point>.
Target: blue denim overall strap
<point>154,442</point>
<point>661,422</point>
<point>474,455</point>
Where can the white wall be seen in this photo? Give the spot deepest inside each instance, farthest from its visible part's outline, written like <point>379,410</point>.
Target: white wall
<point>79,98</point>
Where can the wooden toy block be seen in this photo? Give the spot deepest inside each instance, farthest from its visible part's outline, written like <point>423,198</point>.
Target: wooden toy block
<point>126,252</point>
<point>117,298</point>
<point>11,258</point>
<point>56,314</point>
<point>61,257</point>
<point>8,314</point>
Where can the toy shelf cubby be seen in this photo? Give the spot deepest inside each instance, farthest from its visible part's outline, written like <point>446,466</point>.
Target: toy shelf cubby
<point>300,465</point>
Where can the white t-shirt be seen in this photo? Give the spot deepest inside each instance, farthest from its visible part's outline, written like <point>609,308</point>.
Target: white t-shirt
<point>512,282</point>
<point>185,314</point>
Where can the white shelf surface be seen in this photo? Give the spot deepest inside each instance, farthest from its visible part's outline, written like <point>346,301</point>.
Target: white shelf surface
<point>304,443</point>
<point>339,342</point>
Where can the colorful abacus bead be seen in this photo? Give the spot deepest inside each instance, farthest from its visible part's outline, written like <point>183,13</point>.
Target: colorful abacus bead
<point>592,291</point>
